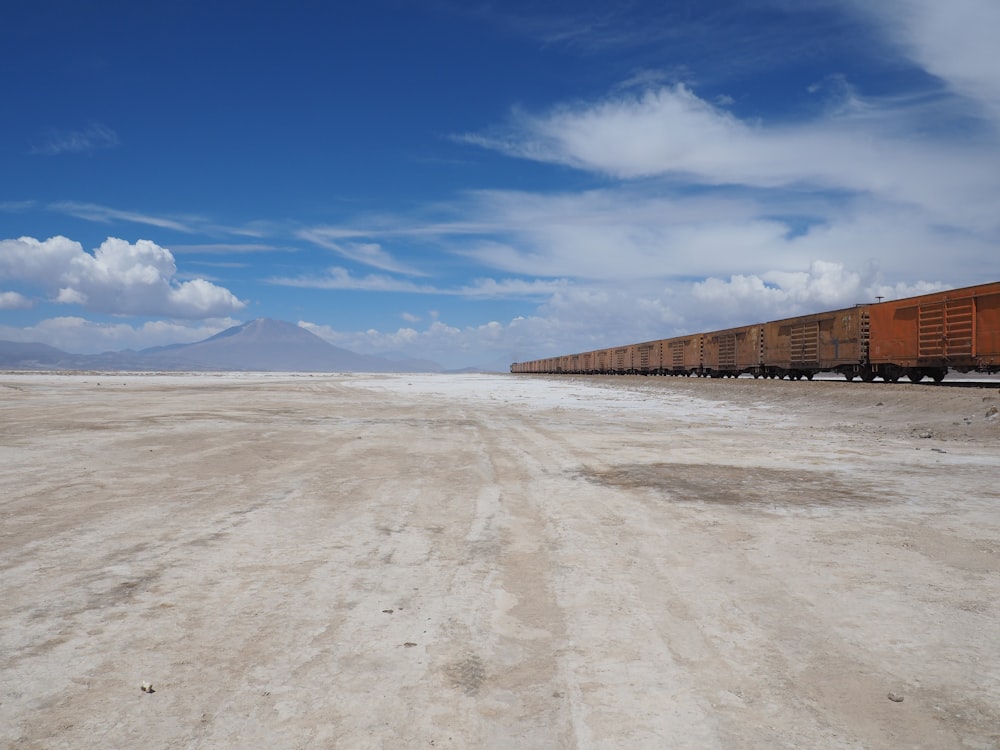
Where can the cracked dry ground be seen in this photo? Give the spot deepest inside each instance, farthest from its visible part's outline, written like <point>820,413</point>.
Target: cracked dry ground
<point>494,561</point>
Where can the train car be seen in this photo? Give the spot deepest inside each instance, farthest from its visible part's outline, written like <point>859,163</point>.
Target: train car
<point>926,336</point>
<point>835,341</point>
<point>918,337</point>
<point>732,352</point>
<point>602,361</point>
<point>648,357</point>
<point>621,360</point>
<point>682,355</point>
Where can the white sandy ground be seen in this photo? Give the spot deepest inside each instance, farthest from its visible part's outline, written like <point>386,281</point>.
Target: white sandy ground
<point>361,561</point>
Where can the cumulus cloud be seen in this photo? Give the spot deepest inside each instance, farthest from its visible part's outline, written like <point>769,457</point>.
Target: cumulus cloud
<point>14,301</point>
<point>824,285</point>
<point>118,278</point>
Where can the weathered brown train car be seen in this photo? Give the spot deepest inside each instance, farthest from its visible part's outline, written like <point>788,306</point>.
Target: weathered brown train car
<point>621,360</point>
<point>732,352</point>
<point>648,357</point>
<point>925,336</point>
<point>682,355</point>
<point>834,341</point>
<point>602,361</point>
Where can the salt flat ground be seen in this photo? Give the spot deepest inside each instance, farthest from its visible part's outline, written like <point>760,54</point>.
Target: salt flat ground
<point>470,561</point>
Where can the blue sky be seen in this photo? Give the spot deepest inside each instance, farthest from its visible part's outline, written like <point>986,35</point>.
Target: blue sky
<point>478,183</point>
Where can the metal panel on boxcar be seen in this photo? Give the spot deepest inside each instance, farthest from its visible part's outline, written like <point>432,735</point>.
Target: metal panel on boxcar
<point>806,345</point>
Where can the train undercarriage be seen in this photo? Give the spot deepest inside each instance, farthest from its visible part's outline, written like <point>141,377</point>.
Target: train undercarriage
<point>888,373</point>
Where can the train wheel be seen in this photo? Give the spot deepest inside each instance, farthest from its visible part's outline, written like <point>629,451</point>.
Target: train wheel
<point>809,375</point>
<point>868,376</point>
<point>915,376</point>
<point>938,375</point>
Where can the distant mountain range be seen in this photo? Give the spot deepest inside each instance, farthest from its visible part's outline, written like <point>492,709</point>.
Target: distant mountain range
<point>260,345</point>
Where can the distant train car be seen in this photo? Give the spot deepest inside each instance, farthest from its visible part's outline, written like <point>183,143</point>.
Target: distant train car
<point>925,336</point>
<point>648,358</point>
<point>834,341</point>
<point>682,355</point>
<point>602,361</point>
<point>730,353</point>
<point>621,360</point>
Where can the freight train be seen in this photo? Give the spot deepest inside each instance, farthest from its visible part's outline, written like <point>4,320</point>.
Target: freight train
<point>917,337</point>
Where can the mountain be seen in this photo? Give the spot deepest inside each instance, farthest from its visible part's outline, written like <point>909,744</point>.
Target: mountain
<point>29,355</point>
<point>267,345</point>
<point>260,345</point>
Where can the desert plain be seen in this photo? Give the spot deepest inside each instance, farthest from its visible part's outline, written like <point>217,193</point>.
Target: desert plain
<point>496,561</point>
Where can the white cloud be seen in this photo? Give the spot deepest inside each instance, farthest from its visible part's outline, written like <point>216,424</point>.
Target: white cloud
<point>510,288</point>
<point>626,235</point>
<point>186,224</point>
<point>92,138</point>
<point>341,278</point>
<point>106,215</point>
<point>824,285</point>
<point>955,41</point>
<point>449,345</point>
<point>16,207</point>
<point>588,315</point>
<point>367,253</point>
<point>81,336</point>
<point>14,301</point>
<point>227,248</point>
<point>119,278</point>
<point>875,148</point>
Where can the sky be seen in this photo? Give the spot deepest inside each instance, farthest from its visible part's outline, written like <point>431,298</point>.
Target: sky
<point>479,183</point>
